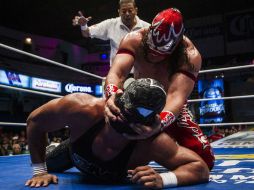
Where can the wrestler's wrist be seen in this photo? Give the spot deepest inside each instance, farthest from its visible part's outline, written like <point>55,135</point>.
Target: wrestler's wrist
<point>167,118</point>
<point>39,169</point>
<point>110,90</point>
<point>169,179</point>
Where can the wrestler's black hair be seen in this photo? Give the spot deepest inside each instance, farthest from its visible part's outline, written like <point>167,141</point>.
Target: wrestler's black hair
<point>140,102</point>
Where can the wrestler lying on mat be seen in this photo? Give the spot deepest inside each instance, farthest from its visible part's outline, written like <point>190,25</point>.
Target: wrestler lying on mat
<point>100,149</point>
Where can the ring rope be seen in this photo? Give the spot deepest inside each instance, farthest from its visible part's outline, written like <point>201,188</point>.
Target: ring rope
<point>226,124</point>
<point>103,78</point>
<point>12,124</point>
<point>226,69</point>
<point>30,91</point>
<point>222,98</point>
<point>201,125</point>
<point>96,76</point>
<point>189,101</point>
<point>49,61</point>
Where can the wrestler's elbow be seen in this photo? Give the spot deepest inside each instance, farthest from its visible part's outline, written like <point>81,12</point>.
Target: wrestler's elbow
<point>31,118</point>
<point>35,119</point>
<point>201,171</point>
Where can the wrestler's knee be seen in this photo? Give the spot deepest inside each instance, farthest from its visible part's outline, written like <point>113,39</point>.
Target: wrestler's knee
<point>197,143</point>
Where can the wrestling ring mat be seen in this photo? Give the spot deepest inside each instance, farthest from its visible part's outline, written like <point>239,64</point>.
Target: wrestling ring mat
<point>234,166</point>
<point>234,169</point>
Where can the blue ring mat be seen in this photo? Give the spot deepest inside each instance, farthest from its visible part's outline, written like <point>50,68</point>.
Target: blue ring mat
<point>234,170</point>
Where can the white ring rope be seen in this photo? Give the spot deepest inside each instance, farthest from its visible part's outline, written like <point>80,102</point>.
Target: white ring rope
<point>201,125</point>
<point>12,124</point>
<point>49,61</point>
<point>103,78</point>
<point>222,98</point>
<point>99,77</point>
<point>226,69</point>
<point>226,124</point>
<point>30,91</point>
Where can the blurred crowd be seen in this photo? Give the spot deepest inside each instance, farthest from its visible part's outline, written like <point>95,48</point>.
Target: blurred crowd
<point>14,141</point>
<point>217,133</point>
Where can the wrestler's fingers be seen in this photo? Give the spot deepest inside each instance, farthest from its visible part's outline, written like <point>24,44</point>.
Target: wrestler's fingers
<point>28,182</point>
<point>143,128</point>
<point>147,178</point>
<point>152,185</point>
<point>109,115</point>
<point>119,91</point>
<point>136,128</point>
<point>55,179</point>
<point>39,183</point>
<point>33,184</point>
<point>45,183</point>
<point>112,107</point>
<point>138,173</point>
<point>141,168</point>
<point>141,176</point>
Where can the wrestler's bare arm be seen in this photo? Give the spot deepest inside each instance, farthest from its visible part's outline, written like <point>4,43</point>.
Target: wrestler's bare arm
<point>123,62</point>
<point>78,111</point>
<point>188,167</point>
<point>193,56</point>
<point>121,67</point>
<point>179,90</point>
<point>181,85</point>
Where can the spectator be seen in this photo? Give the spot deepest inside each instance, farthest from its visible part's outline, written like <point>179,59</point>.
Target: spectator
<point>3,151</point>
<point>218,134</point>
<point>16,149</point>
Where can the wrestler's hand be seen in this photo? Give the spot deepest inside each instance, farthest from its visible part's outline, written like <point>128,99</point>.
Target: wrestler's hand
<point>146,176</point>
<point>80,19</point>
<point>112,112</point>
<point>144,131</point>
<point>42,180</point>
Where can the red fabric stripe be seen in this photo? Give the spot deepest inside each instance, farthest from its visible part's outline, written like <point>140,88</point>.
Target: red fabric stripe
<point>126,51</point>
<point>188,74</point>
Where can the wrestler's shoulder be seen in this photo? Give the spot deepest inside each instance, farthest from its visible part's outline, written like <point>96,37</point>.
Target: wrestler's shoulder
<point>194,57</point>
<point>84,100</point>
<point>134,38</point>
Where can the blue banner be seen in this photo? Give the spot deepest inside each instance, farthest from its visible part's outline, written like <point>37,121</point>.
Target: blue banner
<point>211,111</point>
<point>14,79</point>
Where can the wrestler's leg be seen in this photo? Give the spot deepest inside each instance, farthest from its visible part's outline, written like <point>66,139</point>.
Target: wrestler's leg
<point>188,134</point>
<point>59,159</point>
